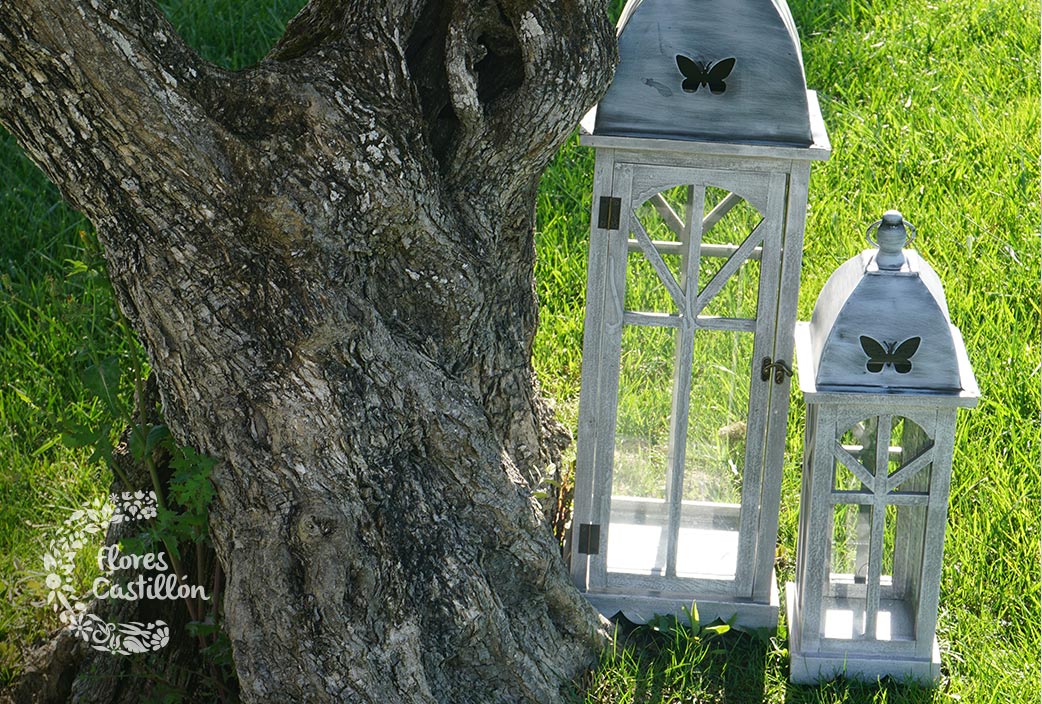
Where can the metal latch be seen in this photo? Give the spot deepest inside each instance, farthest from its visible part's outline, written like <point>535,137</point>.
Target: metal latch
<point>781,370</point>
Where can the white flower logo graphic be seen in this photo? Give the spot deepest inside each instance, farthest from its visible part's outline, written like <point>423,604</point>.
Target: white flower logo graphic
<point>60,559</point>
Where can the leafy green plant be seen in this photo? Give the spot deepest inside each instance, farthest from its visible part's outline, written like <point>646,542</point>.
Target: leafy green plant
<point>179,477</point>
<point>690,626</point>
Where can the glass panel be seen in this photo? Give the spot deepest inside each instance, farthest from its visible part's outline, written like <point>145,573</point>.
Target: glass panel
<point>908,441</point>
<point>851,526</point>
<point>918,483</point>
<point>845,606</point>
<point>644,289</point>
<point>738,296</point>
<point>909,534</point>
<point>860,441</point>
<point>889,531</point>
<point>846,597</point>
<point>844,479</point>
<point>637,535</point>
<point>897,453</point>
<point>708,542</point>
<point>662,217</point>
<point>720,377</point>
<point>715,454</point>
<point>660,213</point>
<point>900,552</point>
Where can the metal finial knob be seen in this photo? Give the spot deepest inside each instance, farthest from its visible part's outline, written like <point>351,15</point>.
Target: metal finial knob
<point>891,236</point>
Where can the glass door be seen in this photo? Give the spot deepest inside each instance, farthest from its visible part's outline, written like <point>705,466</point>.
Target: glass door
<point>694,284</point>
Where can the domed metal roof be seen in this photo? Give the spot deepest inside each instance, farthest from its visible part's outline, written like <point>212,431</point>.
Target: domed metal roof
<point>727,70</point>
<point>881,323</point>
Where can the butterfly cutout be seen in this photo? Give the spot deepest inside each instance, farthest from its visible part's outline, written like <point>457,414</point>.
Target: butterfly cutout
<point>898,355</point>
<point>698,73</point>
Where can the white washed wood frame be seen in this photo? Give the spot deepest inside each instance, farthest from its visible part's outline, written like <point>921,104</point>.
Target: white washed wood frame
<point>924,477</point>
<point>773,180</point>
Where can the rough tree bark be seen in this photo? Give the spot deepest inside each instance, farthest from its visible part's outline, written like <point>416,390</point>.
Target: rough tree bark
<point>329,260</point>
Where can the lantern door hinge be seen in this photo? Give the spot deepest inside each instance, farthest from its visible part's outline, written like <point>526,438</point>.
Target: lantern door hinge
<point>780,368</point>
<point>589,539</point>
<point>608,211</point>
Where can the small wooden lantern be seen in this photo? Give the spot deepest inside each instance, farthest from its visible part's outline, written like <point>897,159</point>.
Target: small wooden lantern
<point>703,149</point>
<point>883,372</point>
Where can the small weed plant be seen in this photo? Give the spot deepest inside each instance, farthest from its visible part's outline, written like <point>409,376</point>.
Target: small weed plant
<point>177,475</point>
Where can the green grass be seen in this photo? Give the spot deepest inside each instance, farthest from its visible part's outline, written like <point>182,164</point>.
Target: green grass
<point>932,108</point>
<point>50,325</point>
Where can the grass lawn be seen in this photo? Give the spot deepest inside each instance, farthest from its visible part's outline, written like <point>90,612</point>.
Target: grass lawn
<point>932,108</point>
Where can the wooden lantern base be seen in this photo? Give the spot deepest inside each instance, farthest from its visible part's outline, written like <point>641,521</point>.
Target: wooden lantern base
<point>814,667</point>
<point>641,608</point>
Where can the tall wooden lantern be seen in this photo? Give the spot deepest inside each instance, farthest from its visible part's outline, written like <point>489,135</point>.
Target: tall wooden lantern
<point>883,372</point>
<point>703,149</point>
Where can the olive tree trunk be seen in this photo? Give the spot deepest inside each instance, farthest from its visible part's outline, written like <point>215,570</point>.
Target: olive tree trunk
<point>329,259</point>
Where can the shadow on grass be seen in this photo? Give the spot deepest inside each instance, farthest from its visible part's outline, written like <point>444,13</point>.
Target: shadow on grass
<point>842,690</point>
<point>647,665</point>
<point>676,665</point>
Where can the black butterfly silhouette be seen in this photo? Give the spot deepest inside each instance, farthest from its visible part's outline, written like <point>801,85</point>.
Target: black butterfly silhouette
<point>698,73</point>
<point>898,355</point>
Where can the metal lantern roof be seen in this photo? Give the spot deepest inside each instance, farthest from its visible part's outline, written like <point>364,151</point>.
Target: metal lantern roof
<point>881,324</point>
<point>719,70</point>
